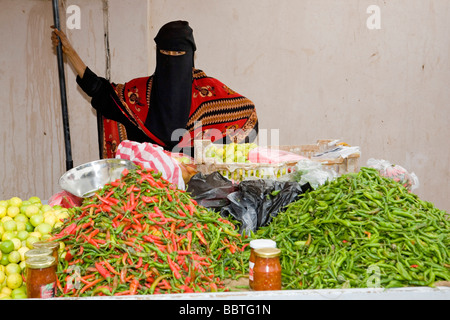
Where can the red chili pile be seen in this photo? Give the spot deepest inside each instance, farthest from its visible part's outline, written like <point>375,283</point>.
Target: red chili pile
<point>141,235</point>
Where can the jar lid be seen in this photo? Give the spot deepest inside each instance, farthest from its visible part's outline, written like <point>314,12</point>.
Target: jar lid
<point>40,252</point>
<point>46,244</point>
<point>262,243</point>
<point>267,252</point>
<point>40,262</point>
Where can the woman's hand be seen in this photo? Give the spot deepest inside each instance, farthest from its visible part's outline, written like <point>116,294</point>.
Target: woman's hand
<point>59,37</point>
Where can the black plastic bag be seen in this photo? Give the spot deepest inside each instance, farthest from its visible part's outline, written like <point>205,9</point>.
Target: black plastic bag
<point>211,190</point>
<point>257,202</point>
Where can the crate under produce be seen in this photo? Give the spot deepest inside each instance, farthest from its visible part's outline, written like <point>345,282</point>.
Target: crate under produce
<point>240,171</point>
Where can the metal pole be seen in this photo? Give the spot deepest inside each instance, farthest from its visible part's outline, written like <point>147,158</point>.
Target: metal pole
<point>62,87</point>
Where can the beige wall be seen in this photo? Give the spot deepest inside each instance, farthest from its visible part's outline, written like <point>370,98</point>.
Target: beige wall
<point>312,67</point>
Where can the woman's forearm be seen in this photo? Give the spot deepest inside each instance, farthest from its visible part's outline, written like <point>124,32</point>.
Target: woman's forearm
<point>77,63</point>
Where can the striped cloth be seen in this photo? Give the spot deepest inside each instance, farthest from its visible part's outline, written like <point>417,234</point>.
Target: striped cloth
<point>152,156</point>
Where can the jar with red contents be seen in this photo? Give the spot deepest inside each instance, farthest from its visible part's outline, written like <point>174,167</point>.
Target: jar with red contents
<point>257,244</point>
<point>41,276</point>
<point>267,269</point>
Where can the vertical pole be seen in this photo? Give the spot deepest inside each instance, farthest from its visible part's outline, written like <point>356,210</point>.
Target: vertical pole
<point>62,87</point>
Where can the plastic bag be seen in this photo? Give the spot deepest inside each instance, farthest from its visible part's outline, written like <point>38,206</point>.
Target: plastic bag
<point>211,190</point>
<point>269,155</point>
<point>397,173</point>
<point>312,172</point>
<point>152,156</point>
<point>64,199</point>
<point>257,202</point>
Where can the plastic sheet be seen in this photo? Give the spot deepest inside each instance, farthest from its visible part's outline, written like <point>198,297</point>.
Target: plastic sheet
<point>211,190</point>
<point>257,202</point>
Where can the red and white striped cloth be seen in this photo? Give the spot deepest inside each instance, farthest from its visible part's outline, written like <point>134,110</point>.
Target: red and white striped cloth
<point>152,156</point>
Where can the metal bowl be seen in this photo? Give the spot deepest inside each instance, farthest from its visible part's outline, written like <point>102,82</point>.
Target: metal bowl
<point>83,181</point>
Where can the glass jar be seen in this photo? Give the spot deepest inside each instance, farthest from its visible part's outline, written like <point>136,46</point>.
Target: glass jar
<point>41,252</point>
<point>257,244</point>
<point>41,277</point>
<point>267,269</point>
<point>52,245</point>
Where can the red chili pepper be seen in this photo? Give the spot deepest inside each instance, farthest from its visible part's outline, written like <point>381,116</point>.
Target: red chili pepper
<point>139,264</point>
<point>103,272</point>
<point>90,285</point>
<point>66,231</point>
<point>93,234</point>
<point>148,199</point>
<point>414,266</point>
<point>110,267</point>
<point>134,286</point>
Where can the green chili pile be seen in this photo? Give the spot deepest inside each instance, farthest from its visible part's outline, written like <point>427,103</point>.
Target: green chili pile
<point>361,230</point>
<point>141,235</point>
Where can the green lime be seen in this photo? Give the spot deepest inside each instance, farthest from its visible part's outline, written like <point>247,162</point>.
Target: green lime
<point>31,210</point>
<point>10,225</point>
<point>19,293</point>
<point>22,235</point>
<point>21,218</point>
<point>14,257</point>
<point>14,281</point>
<point>4,259</point>
<point>29,227</point>
<point>7,246</point>
<point>30,240</point>
<point>43,228</point>
<point>12,268</point>
<point>36,219</point>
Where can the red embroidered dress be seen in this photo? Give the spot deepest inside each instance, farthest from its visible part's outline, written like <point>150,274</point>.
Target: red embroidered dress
<point>216,112</point>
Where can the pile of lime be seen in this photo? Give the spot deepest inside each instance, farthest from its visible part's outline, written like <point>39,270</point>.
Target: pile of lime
<point>23,222</point>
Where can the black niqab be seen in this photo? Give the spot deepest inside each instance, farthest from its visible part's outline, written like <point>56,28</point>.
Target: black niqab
<point>170,99</point>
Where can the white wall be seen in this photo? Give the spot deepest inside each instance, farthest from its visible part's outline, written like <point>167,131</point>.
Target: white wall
<point>312,67</point>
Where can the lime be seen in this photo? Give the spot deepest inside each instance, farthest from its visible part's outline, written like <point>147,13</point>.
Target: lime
<point>21,226</point>
<point>7,246</point>
<point>50,219</point>
<point>31,210</point>
<point>46,208</point>
<point>45,237</point>
<point>6,218</point>
<point>36,219</point>
<point>15,201</point>
<point>34,199</point>
<point>21,218</point>
<point>14,257</point>
<point>22,235</point>
<point>23,208</point>
<point>10,225</point>
<point>12,211</point>
<point>4,203</point>
<point>29,227</point>
<point>22,252</point>
<point>6,290</point>
<point>43,228</point>
<point>30,240</point>
<point>22,265</point>
<point>2,230</point>
<point>14,280</point>
<point>4,260</point>
<point>8,235</point>
<point>2,276</point>
<point>19,293</point>
<point>35,234</point>
<point>2,211</point>
<point>17,243</point>
<point>12,268</point>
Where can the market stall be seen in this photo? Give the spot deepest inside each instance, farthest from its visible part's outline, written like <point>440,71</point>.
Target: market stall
<point>243,222</point>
